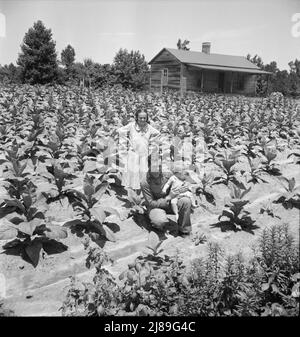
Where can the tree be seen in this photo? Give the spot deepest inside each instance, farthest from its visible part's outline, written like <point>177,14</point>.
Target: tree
<point>130,69</point>
<point>273,69</point>
<point>288,83</point>
<point>102,75</point>
<point>10,74</point>
<point>294,78</point>
<point>261,82</point>
<point>38,59</point>
<point>256,60</point>
<point>68,56</point>
<point>183,45</point>
<point>295,67</point>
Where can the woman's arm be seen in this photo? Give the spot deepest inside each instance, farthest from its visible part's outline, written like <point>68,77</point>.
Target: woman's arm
<point>153,132</point>
<point>124,129</point>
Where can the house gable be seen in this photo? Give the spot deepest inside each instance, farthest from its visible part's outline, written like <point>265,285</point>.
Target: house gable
<point>165,56</point>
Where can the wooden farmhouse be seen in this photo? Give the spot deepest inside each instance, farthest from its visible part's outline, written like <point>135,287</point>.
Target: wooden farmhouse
<point>203,71</point>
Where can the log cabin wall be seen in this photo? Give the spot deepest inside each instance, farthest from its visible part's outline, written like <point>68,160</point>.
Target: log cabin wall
<point>168,61</point>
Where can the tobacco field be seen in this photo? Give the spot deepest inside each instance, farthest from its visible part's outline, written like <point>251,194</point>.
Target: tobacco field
<point>64,213</point>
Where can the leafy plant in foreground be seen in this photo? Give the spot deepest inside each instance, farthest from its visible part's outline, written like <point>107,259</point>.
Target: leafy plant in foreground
<point>296,151</point>
<point>269,167</point>
<point>99,298</point>
<point>226,162</point>
<point>291,197</point>
<point>205,189</point>
<point>153,283</point>
<point>235,211</point>
<point>279,260</point>
<point>268,209</point>
<point>136,203</point>
<point>214,285</point>
<point>60,181</point>
<point>149,286</point>
<point>255,171</point>
<point>88,205</point>
<point>16,180</point>
<point>28,230</point>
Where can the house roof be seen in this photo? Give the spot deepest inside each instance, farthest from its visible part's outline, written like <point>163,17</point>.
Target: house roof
<point>212,60</point>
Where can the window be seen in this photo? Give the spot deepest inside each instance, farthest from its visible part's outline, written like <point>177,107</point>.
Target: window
<point>165,76</point>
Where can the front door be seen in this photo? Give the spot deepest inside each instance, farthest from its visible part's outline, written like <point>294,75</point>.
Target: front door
<point>221,81</point>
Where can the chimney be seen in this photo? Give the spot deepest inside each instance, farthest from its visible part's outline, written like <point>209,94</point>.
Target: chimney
<point>206,47</point>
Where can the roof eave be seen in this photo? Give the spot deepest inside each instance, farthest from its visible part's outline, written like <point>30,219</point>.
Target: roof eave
<point>259,71</point>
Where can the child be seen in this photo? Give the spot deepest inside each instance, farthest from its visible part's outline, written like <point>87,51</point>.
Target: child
<point>178,179</point>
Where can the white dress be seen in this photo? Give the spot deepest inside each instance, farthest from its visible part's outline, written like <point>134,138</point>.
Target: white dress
<point>134,151</point>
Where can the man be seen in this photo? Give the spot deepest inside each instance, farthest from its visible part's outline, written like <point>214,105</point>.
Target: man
<point>158,203</point>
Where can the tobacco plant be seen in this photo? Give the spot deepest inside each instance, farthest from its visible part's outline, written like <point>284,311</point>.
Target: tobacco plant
<point>59,180</point>
<point>235,212</point>
<point>136,203</point>
<point>291,197</point>
<point>256,171</point>
<point>29,230</point>
<point>268,209</point>
<point>296,150</point>
<point>267,165</point>
<point>205,188</point>
<point>88,206</point>
<point>226,163</point>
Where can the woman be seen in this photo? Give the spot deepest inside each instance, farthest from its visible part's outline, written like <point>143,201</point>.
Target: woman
<point>135,139</point>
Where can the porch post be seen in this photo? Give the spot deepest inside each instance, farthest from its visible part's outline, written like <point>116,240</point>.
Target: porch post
<point>202,80</point>
<point>150,79</point>
<point>161,81</point>
<point>231,82</point>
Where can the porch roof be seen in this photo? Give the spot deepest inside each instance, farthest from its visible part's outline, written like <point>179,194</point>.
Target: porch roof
<point>233,69</point>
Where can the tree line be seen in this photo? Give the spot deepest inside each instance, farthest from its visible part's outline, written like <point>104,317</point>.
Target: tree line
<point>38,64</point>
<point>286,82</point>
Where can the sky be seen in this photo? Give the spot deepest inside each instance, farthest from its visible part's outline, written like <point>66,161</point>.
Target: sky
<point>97,29</point>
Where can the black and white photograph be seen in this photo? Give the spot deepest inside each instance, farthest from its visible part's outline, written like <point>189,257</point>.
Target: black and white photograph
<point>149,161</point>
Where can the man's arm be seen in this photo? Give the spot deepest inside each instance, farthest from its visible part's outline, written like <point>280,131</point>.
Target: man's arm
<point>167,185</point>
<point>150,201</point>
